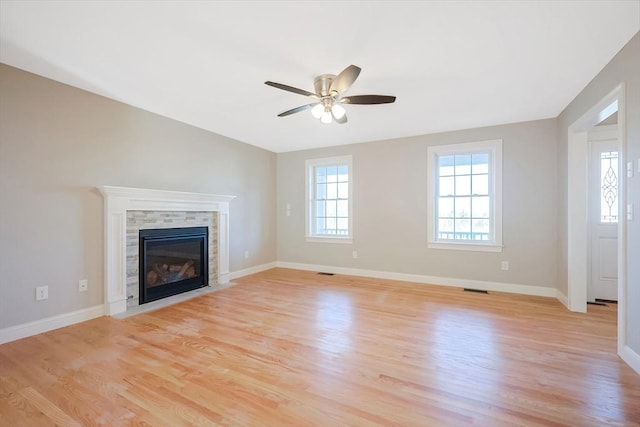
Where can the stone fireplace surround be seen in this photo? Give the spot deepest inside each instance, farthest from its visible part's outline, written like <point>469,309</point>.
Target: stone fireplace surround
<point>120,201</point>
<point>154,220</point>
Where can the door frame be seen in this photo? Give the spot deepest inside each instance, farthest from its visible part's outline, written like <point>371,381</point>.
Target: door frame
<point>577,206</point>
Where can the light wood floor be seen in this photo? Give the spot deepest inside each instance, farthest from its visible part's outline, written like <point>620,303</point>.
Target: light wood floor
<point>286,347</point>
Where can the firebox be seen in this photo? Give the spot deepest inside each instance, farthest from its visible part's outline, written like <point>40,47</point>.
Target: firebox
<point>172,261</point>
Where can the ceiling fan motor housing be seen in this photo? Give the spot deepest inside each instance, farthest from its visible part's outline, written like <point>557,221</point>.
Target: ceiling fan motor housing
<point>322,83</point>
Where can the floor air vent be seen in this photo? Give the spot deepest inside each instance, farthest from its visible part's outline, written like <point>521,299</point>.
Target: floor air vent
<point>478,291</point>
<point>325,274</point>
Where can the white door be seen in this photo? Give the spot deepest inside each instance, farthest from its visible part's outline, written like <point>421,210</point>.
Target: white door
<point>603,213</point>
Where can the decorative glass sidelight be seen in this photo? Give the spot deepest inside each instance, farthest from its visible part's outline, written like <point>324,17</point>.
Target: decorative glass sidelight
<point>609,187</point>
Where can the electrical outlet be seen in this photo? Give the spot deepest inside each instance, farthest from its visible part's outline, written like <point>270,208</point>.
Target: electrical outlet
<point>246,254</point>
<point>505,266</point>
<point>354,254</point>
<point>83,285</point>
<point>42,293</point>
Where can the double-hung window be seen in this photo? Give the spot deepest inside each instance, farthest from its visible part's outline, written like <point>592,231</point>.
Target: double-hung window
<point>328,187</point>
<point>465,196</point>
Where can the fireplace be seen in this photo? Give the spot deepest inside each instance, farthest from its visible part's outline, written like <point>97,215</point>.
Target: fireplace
<point>172,261</point>
<point>121,264</point>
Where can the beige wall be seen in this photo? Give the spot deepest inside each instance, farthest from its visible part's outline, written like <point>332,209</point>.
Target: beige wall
<point>624,67</point>
<point>57,143</point>
<point>390,208</point>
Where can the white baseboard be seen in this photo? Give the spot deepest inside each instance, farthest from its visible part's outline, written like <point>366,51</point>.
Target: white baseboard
<point>13,333</point>
<point>631,358</point>
<point>252,270</point>
<point>432,280</point>
<point>563,299</point>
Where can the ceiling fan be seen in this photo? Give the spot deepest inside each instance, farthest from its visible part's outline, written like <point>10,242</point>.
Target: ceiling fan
<point>328,96</point>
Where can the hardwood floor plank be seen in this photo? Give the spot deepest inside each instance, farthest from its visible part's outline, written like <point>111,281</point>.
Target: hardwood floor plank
<point>286,347</point>
<point>16,410</point>
<point>48,408</point>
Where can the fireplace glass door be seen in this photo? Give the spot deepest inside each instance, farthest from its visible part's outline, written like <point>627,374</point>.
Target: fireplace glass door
<point>172,261</point>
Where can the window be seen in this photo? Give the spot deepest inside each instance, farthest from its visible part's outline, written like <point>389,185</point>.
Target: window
<point>329,183</point>
<point>465,196</point>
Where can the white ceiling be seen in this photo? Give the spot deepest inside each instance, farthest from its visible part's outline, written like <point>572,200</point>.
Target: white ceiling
<point>452,65</point>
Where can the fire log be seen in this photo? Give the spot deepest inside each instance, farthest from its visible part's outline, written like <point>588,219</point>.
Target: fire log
<point>184,268</point>
<point>161,270</point>
<point>152,277</point>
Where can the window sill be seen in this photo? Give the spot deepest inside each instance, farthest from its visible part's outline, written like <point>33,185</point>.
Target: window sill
<point>318,239</point>
<point>477,247</point>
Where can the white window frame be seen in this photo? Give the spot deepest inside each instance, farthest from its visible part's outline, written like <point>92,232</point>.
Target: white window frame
<point>494,149</point>
<point>310,189</point>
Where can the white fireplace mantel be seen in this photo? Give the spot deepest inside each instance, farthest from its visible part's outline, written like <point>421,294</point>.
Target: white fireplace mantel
<point>119,200</point>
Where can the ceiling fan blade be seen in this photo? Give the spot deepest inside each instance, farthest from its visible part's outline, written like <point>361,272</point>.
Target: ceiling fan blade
<point>368,99</point>
<point>342,120</point>
<point>297,109</point>
<point>291,89</point>
<point>345,79</point>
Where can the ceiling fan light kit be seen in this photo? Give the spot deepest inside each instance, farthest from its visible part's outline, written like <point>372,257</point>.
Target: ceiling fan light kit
<point>329,89</point>
<point>326,117</point>
<point>338,111</point>
<point>317,111</point>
